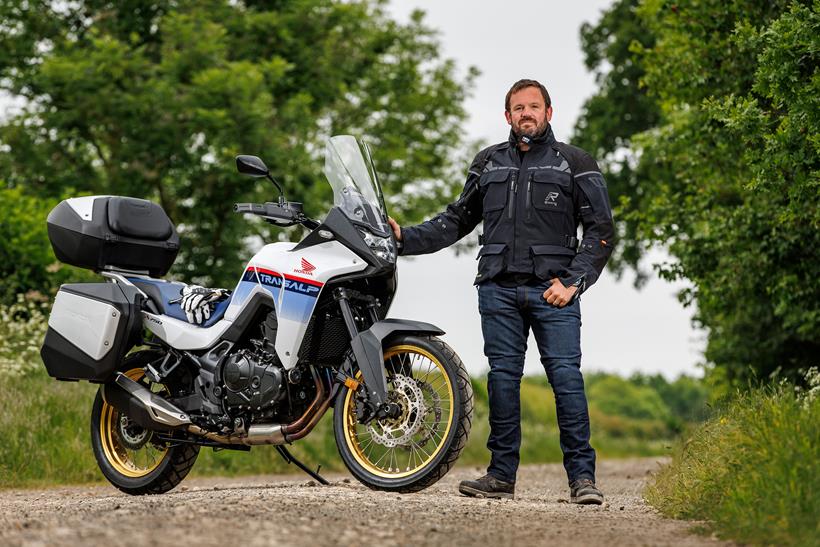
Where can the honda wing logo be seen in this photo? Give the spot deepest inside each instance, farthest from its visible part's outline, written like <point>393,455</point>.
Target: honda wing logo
<point>307,268</point>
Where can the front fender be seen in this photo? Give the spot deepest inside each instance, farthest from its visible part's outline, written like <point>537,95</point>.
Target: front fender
<point>369,353</point>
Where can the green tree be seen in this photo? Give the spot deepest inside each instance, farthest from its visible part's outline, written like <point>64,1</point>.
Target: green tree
<point>620,109</point>
<point>728,175</point>
<point>618,396</point>
<point>154,99</point>
<point>686,397</point>
<point>26,261</point>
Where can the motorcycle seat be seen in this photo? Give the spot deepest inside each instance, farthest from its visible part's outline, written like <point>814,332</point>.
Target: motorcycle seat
<point>161,293</point>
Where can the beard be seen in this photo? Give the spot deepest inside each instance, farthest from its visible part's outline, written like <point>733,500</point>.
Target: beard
<point>533,130</point>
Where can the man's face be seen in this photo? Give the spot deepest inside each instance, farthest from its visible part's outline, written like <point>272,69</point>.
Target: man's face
<point>528,115</point>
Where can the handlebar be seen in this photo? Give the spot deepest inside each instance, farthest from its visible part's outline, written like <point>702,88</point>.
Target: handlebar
<point>242,207</point>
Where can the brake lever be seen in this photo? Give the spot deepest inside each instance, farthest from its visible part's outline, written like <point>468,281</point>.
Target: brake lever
<point>282,223</point>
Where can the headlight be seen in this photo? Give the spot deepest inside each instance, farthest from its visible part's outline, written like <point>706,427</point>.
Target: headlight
<point>381,246</point>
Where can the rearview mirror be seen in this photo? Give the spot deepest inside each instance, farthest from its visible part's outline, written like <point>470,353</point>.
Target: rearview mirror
<point>251,165</point>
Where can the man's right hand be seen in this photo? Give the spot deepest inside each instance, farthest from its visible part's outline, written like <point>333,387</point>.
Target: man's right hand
<point>396,228</point>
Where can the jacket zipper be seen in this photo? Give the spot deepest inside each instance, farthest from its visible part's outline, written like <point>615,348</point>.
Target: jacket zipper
<point>529,195</point>
<point>513,191</point>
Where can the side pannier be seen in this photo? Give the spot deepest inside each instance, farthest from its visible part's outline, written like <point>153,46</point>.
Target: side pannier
<point>112,232</point>
<point>91,328</point>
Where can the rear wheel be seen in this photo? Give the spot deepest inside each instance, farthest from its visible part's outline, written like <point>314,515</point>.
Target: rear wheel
<point>131,457</point>
<point>428,382</point>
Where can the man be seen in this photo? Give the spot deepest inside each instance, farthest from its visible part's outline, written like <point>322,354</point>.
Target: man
<point>532,192</point>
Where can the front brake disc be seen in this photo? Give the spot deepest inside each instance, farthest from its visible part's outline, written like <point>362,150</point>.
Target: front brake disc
<point>434,409</point>
<point>399,431</point>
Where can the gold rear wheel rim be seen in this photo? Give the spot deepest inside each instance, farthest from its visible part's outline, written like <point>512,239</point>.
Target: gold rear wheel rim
<point>134,463</point>
<point>408,459</point>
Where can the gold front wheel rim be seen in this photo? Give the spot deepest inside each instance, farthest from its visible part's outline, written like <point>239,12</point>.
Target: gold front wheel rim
<point>130,462</point>
<point>428,373</point>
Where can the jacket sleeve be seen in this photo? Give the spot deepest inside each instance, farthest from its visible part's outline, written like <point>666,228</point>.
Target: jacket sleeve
<point>455,222</point>
<point>593,209</point>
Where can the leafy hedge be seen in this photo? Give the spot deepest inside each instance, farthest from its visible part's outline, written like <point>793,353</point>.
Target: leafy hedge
<point>753,470</point>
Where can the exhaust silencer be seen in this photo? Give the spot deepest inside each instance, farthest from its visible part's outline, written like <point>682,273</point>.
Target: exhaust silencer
<point>256,435</point>
<point>142,405</point>
<point>265,434</point>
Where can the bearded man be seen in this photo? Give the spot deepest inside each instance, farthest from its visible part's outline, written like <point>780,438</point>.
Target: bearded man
<point>532,192</point>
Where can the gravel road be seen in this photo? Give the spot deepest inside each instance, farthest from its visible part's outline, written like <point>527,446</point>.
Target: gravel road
<point>292,510</point>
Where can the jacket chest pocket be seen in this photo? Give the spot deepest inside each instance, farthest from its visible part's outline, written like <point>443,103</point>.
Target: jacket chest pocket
<point>549,190</point>
<point>494,189</point>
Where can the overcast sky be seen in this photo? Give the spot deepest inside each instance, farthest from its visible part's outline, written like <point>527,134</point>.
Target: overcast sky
<point>624,330</point>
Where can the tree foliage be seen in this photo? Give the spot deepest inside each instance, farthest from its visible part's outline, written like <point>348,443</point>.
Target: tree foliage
<point>154,99</point>
<point>726,177</point>
<point>26,261</point>
<point>620,109</point>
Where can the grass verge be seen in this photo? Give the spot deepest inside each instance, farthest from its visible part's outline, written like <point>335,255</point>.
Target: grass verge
<point>752,472</point>
<point>46,440</point>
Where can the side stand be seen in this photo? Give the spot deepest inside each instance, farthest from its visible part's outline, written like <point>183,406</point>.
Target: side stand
<point>290,458</point>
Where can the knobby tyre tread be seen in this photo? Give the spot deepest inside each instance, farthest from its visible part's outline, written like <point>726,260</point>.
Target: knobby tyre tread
<point>175,466</point>
<point>463,431</point>
<point>463,391</point>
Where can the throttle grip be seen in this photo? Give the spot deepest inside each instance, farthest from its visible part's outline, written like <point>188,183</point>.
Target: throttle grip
<point>245,207</point>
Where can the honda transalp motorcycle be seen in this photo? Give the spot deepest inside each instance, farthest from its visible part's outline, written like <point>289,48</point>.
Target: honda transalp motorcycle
<point>304,329</point>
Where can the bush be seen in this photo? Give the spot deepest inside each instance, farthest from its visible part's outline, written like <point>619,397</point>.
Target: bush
<point>753,471</point>
<point>617,396</point>
<point>27,263</point>
<point>22,329</point>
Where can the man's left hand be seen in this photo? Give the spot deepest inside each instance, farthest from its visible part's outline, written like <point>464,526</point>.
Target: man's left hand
<point>558,295</point>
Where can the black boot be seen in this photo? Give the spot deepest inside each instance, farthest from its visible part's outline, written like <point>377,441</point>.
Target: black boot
<point>487,487</point>
<point>585,492</point>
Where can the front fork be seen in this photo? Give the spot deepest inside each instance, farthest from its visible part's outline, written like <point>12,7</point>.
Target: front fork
<point>367,350</point>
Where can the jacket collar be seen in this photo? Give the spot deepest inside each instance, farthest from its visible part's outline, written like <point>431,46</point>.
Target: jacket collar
<point>546,138</point>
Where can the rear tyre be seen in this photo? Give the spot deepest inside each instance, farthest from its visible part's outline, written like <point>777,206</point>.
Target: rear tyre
<point>129,456</point>
<point>428,381</point>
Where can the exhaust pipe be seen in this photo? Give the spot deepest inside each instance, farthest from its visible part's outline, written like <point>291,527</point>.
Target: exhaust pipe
<point>142,405</point>
<point>155,413</point>
<point>275,434</point>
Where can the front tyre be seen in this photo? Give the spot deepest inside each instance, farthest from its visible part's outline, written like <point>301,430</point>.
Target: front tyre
<point>129,456</point>
<point>409,453</point>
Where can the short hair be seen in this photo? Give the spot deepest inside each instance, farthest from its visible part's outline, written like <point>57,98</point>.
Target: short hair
<point>523,84</point>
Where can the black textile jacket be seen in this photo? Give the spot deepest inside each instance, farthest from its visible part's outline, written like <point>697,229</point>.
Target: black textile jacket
<point>531,205</point>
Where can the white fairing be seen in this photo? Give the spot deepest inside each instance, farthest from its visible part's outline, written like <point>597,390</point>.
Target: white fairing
<point>89,324</point>
<point>183,335</point>
<point>302,274</point>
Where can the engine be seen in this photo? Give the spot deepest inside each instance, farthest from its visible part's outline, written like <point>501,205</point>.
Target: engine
<point>253,380</point>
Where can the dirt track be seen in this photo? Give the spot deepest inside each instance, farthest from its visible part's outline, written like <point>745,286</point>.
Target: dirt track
<point>277,510</point>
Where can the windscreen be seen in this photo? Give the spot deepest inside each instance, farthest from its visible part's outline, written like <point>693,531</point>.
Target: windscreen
<point>349,170</point>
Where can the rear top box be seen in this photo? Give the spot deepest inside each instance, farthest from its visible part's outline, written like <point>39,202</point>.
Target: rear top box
<point>111,232</point>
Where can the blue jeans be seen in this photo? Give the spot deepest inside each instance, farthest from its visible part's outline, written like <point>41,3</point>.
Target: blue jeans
<point>507,314</point>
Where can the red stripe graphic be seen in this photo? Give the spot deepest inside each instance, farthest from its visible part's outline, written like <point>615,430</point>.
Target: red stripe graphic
<point>287,276</point>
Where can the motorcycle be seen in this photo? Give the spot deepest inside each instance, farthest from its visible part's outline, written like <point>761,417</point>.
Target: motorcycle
<point>304,329</point>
